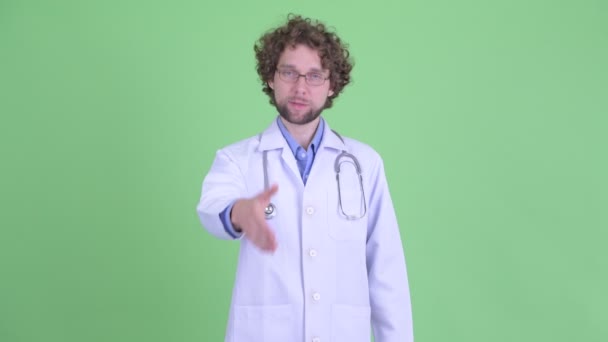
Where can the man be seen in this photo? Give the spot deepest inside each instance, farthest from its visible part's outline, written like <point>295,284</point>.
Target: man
<point>320,255</point>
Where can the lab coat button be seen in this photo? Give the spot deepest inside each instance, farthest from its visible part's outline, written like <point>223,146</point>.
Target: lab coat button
<point>312,253</point>
<point>316,296</point>
<point>310,210</point>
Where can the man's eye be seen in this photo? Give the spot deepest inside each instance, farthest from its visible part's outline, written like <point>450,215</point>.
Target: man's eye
<point>289,73</point>
<point>315,76</point>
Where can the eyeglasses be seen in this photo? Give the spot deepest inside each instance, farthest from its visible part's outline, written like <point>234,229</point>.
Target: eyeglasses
<point>313,78</point>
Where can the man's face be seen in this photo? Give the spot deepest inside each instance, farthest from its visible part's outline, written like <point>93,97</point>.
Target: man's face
<point>300,103</point>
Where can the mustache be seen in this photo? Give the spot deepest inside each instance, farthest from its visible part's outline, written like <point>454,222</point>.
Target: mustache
<point>297,99</point>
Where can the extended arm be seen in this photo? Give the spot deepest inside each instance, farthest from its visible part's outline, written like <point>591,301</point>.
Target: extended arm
<point>224,211</point>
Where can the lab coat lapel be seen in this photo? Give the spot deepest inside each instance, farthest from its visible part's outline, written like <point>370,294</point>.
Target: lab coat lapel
<point>272,139</point>
<point>331,140</point>
<point>322,171</point>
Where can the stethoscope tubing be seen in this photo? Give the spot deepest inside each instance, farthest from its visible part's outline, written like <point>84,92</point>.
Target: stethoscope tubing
<point>270,210</point>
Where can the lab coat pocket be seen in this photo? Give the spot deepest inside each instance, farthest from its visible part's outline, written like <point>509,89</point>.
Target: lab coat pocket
<point>342,229</point>
<point>350,323</point>
<point>268,323</point>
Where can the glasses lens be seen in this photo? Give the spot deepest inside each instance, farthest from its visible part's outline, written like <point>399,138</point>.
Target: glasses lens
<point>288,75</point>
<point>312,78</point>
<point>315,78</point>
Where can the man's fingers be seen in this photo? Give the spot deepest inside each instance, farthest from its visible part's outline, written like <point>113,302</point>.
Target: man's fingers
<point>266,239</point>
<point>265,195</point>
<point>271,242</point>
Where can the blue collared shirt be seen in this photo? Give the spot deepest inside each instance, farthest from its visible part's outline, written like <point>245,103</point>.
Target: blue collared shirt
<point>304,159</point>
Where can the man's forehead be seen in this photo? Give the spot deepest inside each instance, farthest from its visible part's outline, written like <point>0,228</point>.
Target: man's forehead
<point>293,66</point>
<point>300,56</point>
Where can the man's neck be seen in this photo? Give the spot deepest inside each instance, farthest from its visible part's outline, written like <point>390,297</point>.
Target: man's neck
<point>302,134</point>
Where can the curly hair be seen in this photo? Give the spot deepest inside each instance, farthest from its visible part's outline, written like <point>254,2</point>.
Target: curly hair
<point>332,51</point>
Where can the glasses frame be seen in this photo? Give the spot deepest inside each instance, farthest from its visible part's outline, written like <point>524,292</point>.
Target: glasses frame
<point>295,80</point>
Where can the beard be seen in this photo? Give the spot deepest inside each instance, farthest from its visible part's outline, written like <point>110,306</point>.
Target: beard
<point>303,119</point>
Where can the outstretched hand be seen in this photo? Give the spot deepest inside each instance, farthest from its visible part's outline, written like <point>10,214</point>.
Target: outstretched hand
<point>248,216</point>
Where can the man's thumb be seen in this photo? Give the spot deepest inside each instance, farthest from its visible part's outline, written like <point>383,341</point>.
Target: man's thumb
<point>268,193</point>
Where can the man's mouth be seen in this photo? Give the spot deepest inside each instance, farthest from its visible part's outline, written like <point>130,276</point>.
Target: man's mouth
<point>298,103</point>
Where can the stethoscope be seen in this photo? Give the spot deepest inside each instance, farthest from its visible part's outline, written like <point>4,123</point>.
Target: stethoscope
<point>344,157</point>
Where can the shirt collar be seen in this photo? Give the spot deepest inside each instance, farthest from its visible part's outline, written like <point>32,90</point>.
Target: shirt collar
<point>293,144</point>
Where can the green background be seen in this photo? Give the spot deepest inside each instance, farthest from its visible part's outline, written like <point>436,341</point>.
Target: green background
<point>490,116</point>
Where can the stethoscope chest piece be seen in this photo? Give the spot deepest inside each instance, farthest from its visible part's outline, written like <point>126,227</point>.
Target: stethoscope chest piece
<point>270,211</point>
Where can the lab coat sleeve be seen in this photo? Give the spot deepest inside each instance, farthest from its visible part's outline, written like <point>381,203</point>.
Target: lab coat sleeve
<point>389,290</point>
<point>228,227</point>
<point>222,186</point>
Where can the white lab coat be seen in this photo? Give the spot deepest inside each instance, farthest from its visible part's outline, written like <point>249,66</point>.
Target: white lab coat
<point>329,277</point>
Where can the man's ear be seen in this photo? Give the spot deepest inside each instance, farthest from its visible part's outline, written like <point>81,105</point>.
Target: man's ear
<point>331,92</point>
<point>270,84</point>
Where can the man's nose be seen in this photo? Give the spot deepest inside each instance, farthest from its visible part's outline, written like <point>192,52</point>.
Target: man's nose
<point>301,84</point>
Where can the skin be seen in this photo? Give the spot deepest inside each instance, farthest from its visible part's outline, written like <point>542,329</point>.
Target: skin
<point>300,106</point>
